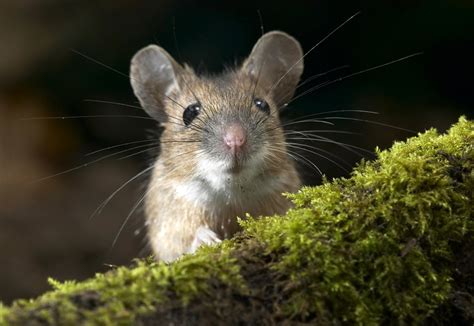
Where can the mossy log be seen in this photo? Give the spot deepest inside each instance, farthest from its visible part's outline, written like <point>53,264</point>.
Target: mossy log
<point>392,244</point>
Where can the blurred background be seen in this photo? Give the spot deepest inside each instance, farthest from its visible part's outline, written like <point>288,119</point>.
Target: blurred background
<point>45,224</point>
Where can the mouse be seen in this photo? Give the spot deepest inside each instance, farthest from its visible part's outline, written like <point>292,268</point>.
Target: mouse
<point>223,153</point>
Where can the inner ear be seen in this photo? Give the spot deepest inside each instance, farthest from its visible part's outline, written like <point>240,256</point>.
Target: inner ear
<point>154,77</point>
<point>276,64</point>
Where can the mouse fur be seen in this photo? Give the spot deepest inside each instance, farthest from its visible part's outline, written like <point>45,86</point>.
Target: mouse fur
<point>222,150</point>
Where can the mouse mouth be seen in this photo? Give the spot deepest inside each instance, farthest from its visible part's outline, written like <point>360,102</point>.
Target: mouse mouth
<point>236,166</point>
<point>227,171</point>
<point>248,158</point>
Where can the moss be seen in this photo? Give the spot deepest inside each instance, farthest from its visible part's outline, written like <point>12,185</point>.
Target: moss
<point>3,314</point>
<point>386,246</point>
<point>378,247</point>
<point>122,294</point>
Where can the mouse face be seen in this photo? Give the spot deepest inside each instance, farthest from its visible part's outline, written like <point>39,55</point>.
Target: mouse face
<point>224,130</point>
<point>231,128</point>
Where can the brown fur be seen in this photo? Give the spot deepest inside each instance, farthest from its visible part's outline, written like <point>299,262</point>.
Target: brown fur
<point>180,199</point>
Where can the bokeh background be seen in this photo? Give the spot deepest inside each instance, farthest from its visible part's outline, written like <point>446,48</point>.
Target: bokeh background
<point>45,225</point>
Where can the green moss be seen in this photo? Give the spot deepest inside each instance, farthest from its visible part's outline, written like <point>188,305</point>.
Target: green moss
<point>120,295</point>
<point>382,246</point>
<point>3,314</point>
<point>378,247</point>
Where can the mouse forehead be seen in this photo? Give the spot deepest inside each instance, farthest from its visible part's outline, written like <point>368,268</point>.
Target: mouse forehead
<point>226,92</point>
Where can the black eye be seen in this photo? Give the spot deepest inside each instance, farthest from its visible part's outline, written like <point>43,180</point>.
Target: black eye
<point>262,105</point>
<point>190,113</point>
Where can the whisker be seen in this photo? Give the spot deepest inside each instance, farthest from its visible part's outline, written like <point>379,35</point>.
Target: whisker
<point>310,50</point>
<point>348,147</point>
<point>87,117</point>
<point>116,71</point>
<point>106,201</point>
<point>181,59</point>
<point>113,103</point>
<point>140,152</point>
<point>335,111</point>
<point>87,164</point>
<point>100,63</point>
<point>138,203</point>
<point>331,154</point>
<point>371,122</point>
<point>323,131</point>
<point>306,120</point>
<point>314,88</point>
<point>297,157</point>
<point>135,207</point>
<point>313,77</point>
<point>180,141</point>
<point>307,160</point>
<point>119,145</point>
<point>302,147</point>
<point>261,22</point>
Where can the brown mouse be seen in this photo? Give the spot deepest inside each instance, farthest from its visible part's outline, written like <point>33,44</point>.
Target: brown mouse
<point>223,152</point>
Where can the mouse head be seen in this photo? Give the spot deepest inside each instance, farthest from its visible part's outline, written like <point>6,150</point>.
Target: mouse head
<point>230,121</point>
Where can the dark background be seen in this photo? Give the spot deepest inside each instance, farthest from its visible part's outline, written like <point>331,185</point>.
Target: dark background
<point>45,229</point>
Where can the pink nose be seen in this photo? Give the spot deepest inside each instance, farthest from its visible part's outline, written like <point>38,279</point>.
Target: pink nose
<point>234,137</point>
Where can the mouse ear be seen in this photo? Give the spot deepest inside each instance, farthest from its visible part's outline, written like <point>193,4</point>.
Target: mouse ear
<point>153,75</point>
<point>276,64</point>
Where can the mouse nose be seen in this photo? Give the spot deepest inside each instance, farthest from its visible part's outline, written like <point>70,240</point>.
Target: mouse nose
<point>234,137</point>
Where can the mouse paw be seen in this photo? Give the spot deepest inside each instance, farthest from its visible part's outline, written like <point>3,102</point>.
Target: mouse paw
<point>204,236</point>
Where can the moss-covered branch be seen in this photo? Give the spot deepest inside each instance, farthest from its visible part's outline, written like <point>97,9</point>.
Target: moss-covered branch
<point>392,244</point>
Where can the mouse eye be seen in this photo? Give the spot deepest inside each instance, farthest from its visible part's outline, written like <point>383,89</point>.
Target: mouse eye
<point>262,105</point>
<point>190,113</point>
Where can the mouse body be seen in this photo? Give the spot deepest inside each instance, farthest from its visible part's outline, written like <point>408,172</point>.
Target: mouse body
<point>222,150</point>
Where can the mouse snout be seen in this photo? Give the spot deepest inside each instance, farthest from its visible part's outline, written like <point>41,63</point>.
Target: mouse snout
<point>235,137</point>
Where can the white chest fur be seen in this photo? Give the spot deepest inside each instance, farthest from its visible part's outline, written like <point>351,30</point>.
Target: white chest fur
<point>215,189</point>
